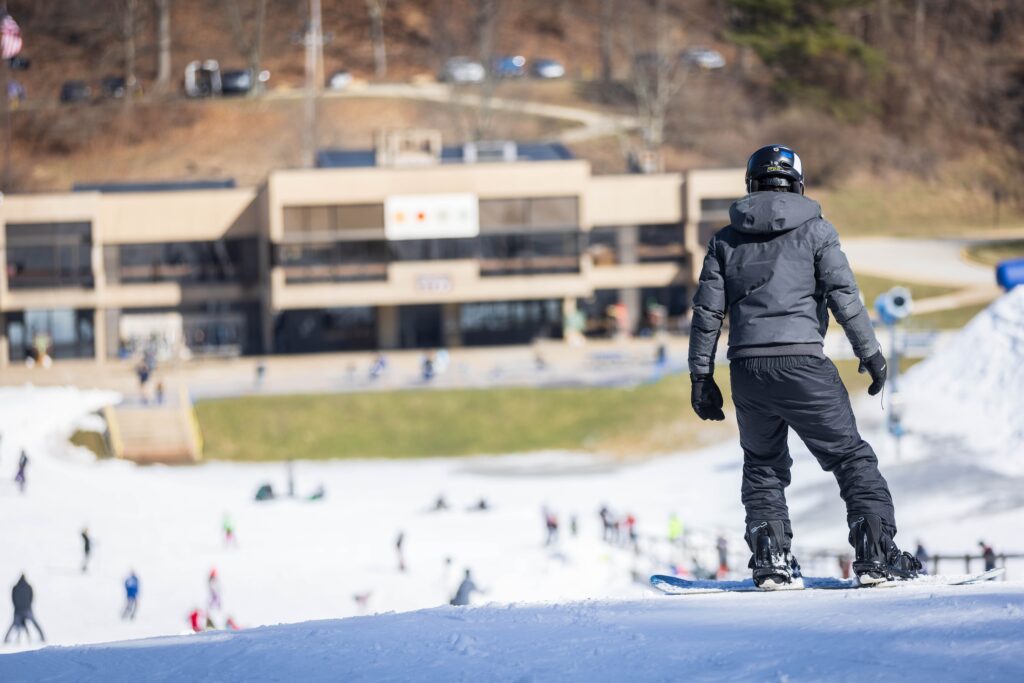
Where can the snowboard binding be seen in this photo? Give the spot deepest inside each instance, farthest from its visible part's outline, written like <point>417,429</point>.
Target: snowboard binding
<point>878,559</point>
<point>774,567</point>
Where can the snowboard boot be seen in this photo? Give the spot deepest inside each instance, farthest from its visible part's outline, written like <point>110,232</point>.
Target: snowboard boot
<point>774,567</point>
<point>878,558</point>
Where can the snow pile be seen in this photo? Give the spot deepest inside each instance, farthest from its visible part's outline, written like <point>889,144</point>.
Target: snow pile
<point>972,389</point>
<point>904,634</point>
<point>32,417</point>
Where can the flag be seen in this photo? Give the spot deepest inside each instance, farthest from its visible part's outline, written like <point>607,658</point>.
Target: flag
<point>10,37</point>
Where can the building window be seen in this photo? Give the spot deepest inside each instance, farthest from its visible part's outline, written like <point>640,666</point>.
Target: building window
<point>434,250</point>
<point>333,329</point>
<point>58,333</point>
<point>510,322</point>
<point>642,244</point>
<point>234,261</point>
<point>529,254</point>
<point>658,243</point>
<point>541,213</point>
<point>333,262</point>
<point>325,220</point>
<point>45,255</point>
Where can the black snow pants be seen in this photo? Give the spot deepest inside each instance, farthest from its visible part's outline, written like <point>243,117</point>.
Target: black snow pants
<point>772,394</point>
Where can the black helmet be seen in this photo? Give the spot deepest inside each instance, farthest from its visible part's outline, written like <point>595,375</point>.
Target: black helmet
<point>775,167</point>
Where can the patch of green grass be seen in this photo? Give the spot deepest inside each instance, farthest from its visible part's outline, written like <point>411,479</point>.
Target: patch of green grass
<point>951,319</point>
<point>652,418</point>
<point>992,253</point>
<point>872,287</point>
<point>913,208</point>
<point>94,441</point>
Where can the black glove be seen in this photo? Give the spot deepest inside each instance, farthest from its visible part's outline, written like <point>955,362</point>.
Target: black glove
<point>876,367</point>
<point>705,397</point>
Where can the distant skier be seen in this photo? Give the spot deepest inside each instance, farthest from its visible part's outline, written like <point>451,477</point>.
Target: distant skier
<point>19,478</point>
<point>607,525</point>
<point>465,591</point>
<point>195,620</point>
<point>574,526</point>
<point>922,556</point>
<point>229,530</point>
<point>399,542</point>
<point>631,531</point>
<point>988,555</point>
<point>131,594</point>
<point>22,597</point>
<point>722,546</point>
<point>551,526</point>
<point>86,550</point>
<point>775,271</point>
<point>675,529</point>
<point>213,585</point>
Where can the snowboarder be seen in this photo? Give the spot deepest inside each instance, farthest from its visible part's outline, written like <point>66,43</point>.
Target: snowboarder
<point>22,596</point>
<point>19,478</point>
<point>398,550</point>
<point>776,270</point>
<point>465,590</point>
<point>86,550</point>
<point>131,594</point>
<point>988,555</point>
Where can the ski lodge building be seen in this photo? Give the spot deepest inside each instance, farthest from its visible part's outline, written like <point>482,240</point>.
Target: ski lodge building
<point>407,245</point>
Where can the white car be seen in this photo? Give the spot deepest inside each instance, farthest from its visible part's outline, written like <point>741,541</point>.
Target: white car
<point>463,70</point>
<point>547,68</point>
<point>339,80</point>
<point>704,58</point>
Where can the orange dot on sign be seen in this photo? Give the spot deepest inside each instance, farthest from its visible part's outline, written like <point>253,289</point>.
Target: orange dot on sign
<point>421,216</point>
<point>399,217</point>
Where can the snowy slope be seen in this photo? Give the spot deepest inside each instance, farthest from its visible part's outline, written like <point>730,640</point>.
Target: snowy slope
<point>972,390</point>
<point>298,560</point>
<point>973,633</point>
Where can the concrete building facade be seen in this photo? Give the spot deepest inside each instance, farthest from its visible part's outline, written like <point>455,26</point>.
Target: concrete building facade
<point>453,248</point>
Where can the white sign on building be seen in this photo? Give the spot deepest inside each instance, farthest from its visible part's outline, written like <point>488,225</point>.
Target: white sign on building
<point>431,216</point>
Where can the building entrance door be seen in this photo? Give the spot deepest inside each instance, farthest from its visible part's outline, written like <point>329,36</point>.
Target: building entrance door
<point>420,327</point>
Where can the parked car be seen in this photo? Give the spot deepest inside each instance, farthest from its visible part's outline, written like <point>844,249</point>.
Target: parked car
<point>339,80</point>
<point>509,67</point>
<point>236,82</point>
<point>462,70</point>
<point>703,58</point>
<point>74,91</point>
<point>547,68</point>
<point>114,87</point>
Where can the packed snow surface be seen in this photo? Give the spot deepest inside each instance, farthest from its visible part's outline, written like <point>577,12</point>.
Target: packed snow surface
<point>298,560</point>
<point>972,389</point>
<point>969,633</point>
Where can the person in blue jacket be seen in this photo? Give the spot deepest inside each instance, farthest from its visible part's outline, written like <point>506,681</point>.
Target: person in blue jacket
<point>131,593</point>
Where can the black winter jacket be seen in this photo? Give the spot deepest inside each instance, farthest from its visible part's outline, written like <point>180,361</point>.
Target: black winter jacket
<point>21,596</point>
<point>776,270</point>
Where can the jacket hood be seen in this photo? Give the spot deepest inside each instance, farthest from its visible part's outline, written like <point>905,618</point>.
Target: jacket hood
<point>771,212</point>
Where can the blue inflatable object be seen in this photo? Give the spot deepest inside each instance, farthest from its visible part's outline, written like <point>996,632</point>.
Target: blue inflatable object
<point>1010,273</point>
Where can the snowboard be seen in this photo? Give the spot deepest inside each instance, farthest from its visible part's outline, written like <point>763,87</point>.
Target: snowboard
<point>673,585</point>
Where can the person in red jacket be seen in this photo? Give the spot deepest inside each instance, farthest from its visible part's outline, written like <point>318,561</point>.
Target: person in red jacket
<point>196,620</point>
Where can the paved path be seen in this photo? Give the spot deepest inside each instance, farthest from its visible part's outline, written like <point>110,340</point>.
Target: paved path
<point>937,262</point>
<point>591,123</point>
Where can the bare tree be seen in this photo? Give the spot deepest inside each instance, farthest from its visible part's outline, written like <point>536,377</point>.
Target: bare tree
<point>248,34</point>
<point>376,10</point>
<point>129,8</point>
<point>606,40</point>
<point>163,44</point>
<point>485,23</point>
<point>658,74</point>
